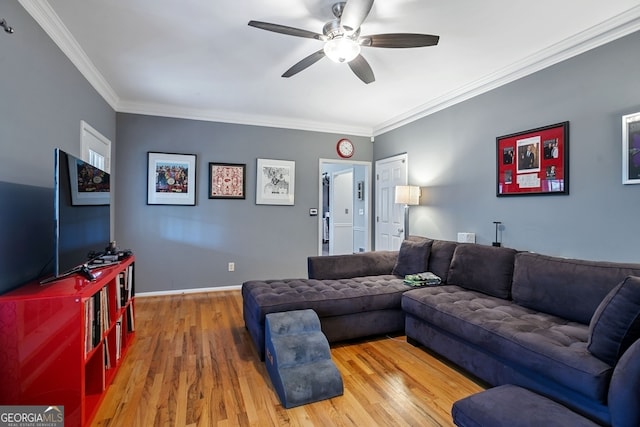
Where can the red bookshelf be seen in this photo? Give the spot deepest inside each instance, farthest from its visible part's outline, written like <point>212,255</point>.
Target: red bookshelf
<point>62,343</point>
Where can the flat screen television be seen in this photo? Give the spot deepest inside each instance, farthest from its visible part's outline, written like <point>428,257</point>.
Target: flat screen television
<point>82,212</point>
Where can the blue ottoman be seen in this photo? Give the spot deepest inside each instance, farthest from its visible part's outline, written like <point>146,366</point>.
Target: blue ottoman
<point>512,406</point>
<point>298,358</point>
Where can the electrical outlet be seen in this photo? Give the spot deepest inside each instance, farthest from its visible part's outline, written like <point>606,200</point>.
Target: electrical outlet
<point>232,266</point>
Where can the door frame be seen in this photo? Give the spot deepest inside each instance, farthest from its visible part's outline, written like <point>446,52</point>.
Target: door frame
<point>367,193</point>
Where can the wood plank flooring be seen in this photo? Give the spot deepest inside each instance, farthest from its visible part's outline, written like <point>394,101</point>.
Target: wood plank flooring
<point>193,364</point>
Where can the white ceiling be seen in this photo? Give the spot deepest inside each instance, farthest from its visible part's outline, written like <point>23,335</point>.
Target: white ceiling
<point>199,58</point>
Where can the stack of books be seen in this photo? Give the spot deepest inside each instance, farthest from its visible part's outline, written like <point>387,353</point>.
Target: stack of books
<point>422,279</point>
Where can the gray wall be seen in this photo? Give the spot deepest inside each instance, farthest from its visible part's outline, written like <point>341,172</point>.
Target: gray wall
<point>189,247</point>
<point>452,155</point>
<point>43,98</point>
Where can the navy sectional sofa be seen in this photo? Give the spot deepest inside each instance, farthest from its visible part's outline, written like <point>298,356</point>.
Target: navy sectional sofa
<point>562,328</point>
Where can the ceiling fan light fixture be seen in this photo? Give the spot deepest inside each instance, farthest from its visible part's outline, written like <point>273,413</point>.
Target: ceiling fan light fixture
<point>342,41</point>
<point>342,49</point>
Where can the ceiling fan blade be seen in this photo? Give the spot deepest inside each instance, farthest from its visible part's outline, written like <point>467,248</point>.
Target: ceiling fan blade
<point>399,40</point>
<point>362,69</point>
<point>305,63</point>
<point>283,29</point>
<point>354,14</point>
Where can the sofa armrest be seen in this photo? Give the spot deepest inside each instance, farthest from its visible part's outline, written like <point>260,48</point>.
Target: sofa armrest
<point>624,390</point>
<point>352,265</point>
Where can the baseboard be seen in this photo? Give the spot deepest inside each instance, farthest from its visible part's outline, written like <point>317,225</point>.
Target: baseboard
<point>188,291</point>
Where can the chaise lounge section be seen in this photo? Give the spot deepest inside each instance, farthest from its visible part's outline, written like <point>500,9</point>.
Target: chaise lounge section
<point>355,296</point>
<point>364,301</point>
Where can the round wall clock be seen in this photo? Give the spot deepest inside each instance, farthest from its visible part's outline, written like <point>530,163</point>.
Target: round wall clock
<point>345,148</point>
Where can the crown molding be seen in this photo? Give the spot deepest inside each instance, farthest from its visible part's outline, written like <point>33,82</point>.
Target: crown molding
<point>619,26</point>
<point>612,29</point>
<point>241,119</point>
<point>42,12</point>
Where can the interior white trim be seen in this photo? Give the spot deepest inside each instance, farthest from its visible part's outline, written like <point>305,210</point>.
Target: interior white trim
<point>619,26</point>
<point>243,119</point>
<point>367,185</point>
<point>188,291</point>
<point>615,28</point>
<point>103,147</point>
<point>44,15</point>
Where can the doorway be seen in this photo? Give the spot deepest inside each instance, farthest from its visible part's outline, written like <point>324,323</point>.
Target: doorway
<point>344,224</point>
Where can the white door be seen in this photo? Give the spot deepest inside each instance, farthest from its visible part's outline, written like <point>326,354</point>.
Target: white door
<point>341,220</point>
<point>389,216</point>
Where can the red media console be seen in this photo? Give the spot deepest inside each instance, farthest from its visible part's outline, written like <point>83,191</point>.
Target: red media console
<point>62,343</point>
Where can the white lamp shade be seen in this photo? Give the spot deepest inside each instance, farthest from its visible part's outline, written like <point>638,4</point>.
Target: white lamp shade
<point>341,49</point>
<point>408,195</point>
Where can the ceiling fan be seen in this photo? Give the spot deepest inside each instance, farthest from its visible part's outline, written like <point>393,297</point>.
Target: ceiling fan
<point>342,39</point>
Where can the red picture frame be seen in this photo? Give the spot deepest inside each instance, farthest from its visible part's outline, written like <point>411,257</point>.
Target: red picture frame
<point>533,162</point>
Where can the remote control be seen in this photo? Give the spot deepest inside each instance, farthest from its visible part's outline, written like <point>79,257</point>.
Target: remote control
<point>84,270</point>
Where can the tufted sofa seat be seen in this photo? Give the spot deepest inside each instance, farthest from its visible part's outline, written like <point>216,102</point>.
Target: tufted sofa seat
<point>552,346</point>
<point>348,308</point>
<point>354,295</point>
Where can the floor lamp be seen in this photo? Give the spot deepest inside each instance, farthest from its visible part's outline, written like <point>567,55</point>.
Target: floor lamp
<point>407,195</point>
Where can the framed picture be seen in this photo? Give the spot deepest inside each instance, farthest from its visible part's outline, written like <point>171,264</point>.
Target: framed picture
<point>275,182</point>
<point>631,149</point>
<point>533,162</point>
<point>89,185</point>
<point>171,179</point>
<point>227,181</point>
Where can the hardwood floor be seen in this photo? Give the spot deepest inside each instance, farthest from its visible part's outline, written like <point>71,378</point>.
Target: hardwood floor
<point>193,364</point>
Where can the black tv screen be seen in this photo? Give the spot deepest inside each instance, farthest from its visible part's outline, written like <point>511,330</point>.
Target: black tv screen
<point>82,212</point>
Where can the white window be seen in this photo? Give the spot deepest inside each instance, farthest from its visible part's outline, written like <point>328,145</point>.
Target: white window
<point>95,148</point>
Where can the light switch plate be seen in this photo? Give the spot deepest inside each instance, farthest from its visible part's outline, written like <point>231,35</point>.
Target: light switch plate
<point>466,237</point>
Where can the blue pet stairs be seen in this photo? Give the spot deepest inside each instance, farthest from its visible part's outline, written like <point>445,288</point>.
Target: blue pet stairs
<point>298,358</point>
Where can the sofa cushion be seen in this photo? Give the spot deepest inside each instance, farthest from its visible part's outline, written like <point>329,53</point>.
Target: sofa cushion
<point>623,405</point>
<point>440,258</point>
<point>485,269</point>
<point>512,406</point>
<point>568,288</point>
<point>370,263</point>
<point>540,345</point>
<point>616,323</point>
<point>325,297</point>
<point>413,257</point>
